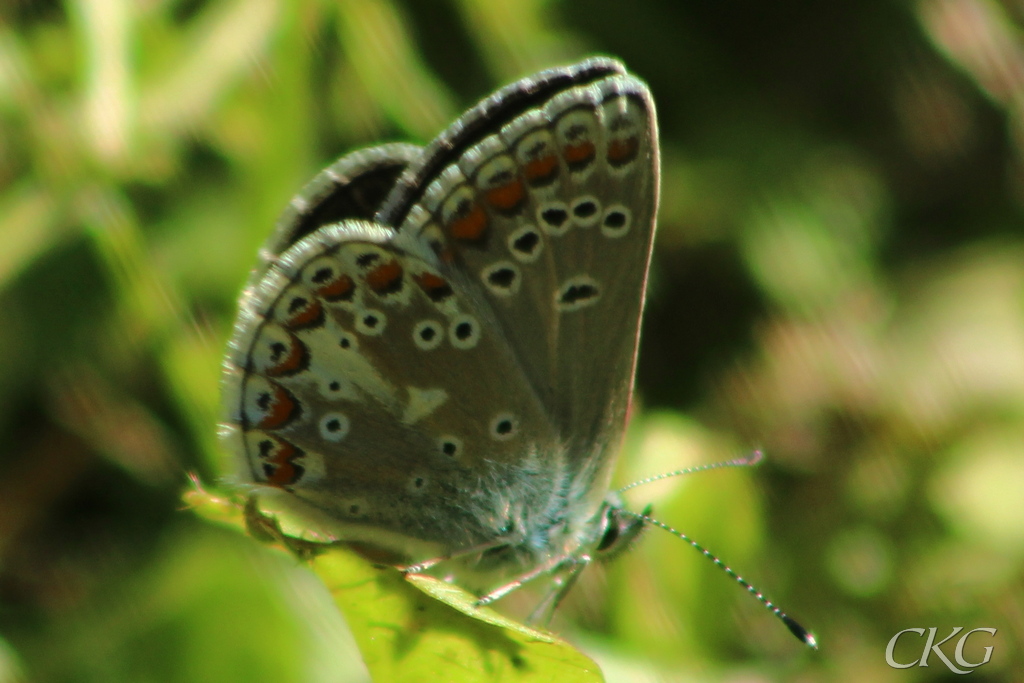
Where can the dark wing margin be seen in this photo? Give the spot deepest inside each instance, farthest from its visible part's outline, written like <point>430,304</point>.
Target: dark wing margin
<point>487,117</point>
<point>354,186</point>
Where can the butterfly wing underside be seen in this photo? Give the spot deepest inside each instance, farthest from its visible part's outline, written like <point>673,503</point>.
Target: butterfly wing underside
<point>546,195</point>
<point>354,186</point>
<point>428,380</point>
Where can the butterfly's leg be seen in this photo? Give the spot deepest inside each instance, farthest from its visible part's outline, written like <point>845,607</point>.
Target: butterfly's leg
<point>552,565</point>
<point>420,567</point>
<point>564,582</point>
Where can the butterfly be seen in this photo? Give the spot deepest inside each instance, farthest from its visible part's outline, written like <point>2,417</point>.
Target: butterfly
<point>433,361</point>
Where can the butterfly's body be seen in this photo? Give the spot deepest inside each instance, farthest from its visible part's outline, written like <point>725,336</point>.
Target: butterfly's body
<point>436,357</point>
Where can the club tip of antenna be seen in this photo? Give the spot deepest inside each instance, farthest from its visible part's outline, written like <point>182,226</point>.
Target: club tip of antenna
<point>755,457</point>
<point>800,632</point>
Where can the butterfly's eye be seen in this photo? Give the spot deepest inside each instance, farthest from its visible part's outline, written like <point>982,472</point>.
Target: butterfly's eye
<point>611,535</point>
<point>621,529</point>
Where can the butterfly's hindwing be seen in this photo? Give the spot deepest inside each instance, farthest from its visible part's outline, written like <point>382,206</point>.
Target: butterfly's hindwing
<point>363,387</point>
<point>354,186</point>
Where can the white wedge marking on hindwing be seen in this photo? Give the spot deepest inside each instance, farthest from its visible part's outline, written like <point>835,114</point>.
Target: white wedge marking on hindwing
<point>422,402</point>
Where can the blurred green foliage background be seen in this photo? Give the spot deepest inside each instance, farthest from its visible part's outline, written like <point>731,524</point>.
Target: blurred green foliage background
<point>838,278</point>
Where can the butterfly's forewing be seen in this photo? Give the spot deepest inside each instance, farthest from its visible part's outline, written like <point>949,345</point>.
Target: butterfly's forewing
<point>544,196</point>
<point>354,186</point>
<point>485,118</point>
<point>610,195</point>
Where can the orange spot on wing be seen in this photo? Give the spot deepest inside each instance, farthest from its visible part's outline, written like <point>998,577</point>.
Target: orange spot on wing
<point>385,278</point>
<point>507,197</point>
<point>579,153</point>
<point>430,281</point>
<point>340,287</point>
<point>284,471</point>
<point>434,286</point>
<point>308,314</point>
<point>622,151</point>
<point>292,361</point>
<point>280,409</point>
<point>283,475</point>
<point>470,227</point>
<point>542,169</point>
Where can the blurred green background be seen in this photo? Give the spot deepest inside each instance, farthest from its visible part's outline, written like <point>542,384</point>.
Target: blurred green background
<point>838,278</point>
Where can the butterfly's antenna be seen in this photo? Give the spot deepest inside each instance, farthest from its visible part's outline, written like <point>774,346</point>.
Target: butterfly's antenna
<point>746,461</point>
<point>796,629</point>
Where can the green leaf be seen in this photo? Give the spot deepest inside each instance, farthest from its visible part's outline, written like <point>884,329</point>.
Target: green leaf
<point>416,627</point>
